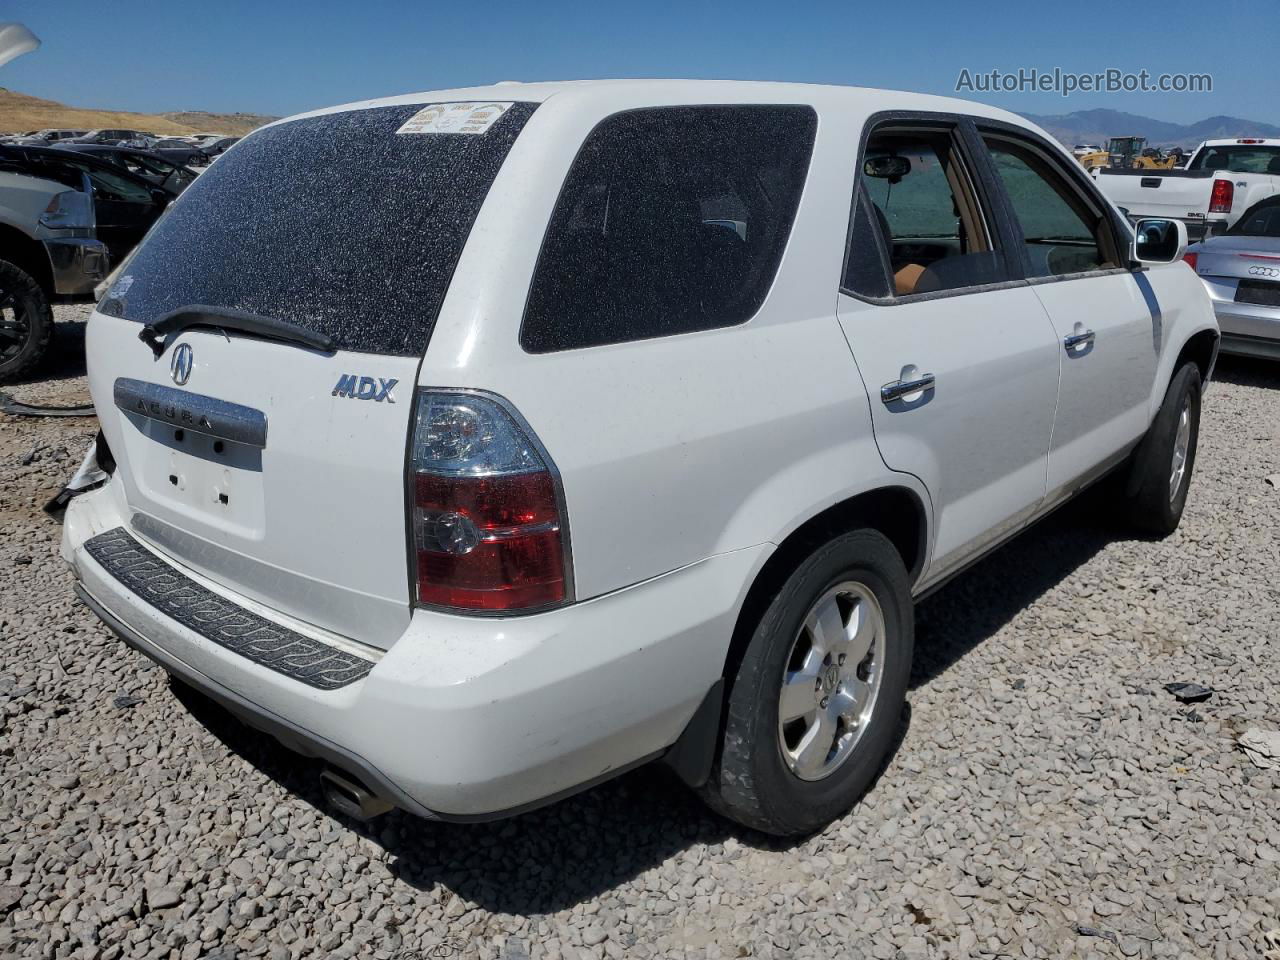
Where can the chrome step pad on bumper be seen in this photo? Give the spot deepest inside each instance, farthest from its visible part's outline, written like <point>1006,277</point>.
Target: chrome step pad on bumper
<point>221,621</point>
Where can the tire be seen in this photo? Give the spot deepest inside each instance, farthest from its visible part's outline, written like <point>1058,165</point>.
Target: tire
<point>26,323</point>
<point>762,776</point>
<point>1154,499</point>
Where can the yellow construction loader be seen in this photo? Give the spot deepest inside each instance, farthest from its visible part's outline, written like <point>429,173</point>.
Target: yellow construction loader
<point>1131,153</point>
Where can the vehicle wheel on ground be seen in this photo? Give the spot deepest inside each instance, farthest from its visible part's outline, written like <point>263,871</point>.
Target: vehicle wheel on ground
<point>1162,464</point>
<point>815,705</point>
<point>26,322</point>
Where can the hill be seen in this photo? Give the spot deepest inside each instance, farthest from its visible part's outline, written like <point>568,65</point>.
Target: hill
<point>20,113</point>
<point>1097,126</point>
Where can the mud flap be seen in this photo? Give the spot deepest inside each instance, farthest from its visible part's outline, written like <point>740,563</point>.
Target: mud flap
<point>692,755</point>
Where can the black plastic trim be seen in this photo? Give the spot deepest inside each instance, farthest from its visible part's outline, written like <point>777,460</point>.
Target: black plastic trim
<point>219,620</point>
<point>692,756</point>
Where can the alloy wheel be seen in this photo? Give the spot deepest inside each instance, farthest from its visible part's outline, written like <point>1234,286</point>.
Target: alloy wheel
<point>832,680</point>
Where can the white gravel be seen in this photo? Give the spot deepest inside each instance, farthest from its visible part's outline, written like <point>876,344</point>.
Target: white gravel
<point>1049,797</point>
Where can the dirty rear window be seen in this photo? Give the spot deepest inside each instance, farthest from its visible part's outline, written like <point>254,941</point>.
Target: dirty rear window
<point>337,223</point>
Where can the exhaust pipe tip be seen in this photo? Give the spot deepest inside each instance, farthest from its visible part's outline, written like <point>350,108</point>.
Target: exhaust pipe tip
<point>347,795</point>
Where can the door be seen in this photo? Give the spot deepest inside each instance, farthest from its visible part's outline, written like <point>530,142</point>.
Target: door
<point>1104,315</point>
<point>957,353</point>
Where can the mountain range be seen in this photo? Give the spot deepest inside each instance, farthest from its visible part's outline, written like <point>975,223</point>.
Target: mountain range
<point>1097,126</point>
<point>20,113</point>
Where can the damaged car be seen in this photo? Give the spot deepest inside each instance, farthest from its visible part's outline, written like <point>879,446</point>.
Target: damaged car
<point>487,443</point>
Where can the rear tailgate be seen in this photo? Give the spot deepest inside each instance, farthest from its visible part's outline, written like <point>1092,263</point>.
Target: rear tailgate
<point>1171,194</point>
<point>275,469</point>
<point>1246,271</point>
<point>308,518</point>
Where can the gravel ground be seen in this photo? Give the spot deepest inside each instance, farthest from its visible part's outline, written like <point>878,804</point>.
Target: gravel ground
<point>1049,798</point>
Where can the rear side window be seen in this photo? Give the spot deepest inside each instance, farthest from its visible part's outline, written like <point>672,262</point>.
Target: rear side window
<point>915,190</point>
<point>338,223</point>
<point>671,220</point>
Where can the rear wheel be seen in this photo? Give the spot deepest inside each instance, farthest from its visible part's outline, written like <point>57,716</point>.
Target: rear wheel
<point>26,322</point>
<point>1162,464</point>
<point>817,698</point>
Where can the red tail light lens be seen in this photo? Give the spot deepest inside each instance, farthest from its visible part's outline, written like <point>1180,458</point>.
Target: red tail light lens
<point>1224,191</point>
<point>1190,259</point>
<point>488,529</point>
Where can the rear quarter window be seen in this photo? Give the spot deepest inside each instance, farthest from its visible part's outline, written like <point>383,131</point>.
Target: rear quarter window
<point>671,220</point>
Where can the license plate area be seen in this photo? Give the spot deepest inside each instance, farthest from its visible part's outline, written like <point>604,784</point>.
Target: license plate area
<point>214,481</point>
<point>1261,292</point>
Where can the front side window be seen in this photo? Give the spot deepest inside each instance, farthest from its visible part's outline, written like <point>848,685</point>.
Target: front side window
<point>671,220</point>
<point>915,186</point>
<point>1062,234</point>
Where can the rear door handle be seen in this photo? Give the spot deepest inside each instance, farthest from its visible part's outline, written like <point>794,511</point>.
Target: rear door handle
<point>900,388</point>
<point>1078,339</point>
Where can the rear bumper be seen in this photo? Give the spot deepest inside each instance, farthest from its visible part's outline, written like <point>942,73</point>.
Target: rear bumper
<point>78,265</point>
<point>465,718</point>
<point>1247,328</point>
<point>1241,346</point>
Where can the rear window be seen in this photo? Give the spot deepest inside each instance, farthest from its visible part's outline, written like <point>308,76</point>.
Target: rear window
<point>337,223</point>
<point>671,220</point>
<point>1239,158</point>
<point>1262,220</point>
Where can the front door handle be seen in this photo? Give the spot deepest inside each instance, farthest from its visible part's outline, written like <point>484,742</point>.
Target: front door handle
<point>1083,339</point>
<point>901,388</point>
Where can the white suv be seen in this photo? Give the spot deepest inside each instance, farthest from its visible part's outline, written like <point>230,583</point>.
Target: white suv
<point>486,443</point>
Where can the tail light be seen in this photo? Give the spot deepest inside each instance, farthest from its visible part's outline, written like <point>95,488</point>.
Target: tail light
<point>1190,259</point>
<point>488,518</point>
<point>1224,191</point>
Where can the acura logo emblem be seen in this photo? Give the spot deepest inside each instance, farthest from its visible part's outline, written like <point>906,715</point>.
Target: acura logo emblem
<point>180,363</point>
<point>1264,272</point>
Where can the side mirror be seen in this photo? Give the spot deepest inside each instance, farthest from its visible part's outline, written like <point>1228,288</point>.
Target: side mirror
<point>1159,241</point>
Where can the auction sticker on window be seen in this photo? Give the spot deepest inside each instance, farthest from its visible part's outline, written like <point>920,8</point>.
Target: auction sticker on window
<point>455,118</point>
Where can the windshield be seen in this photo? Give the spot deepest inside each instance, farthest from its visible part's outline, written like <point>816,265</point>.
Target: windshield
<point>338,223</point>
<point>1239,158</point>
<point>1262,220</point>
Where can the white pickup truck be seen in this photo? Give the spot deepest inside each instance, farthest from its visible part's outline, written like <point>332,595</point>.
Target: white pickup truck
<point>1222,180</point>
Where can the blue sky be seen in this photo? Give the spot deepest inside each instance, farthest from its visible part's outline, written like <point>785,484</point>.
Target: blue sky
<point>283,57</point>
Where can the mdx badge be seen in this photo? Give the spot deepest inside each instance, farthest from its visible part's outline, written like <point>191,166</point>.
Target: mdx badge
<point>364,388</point>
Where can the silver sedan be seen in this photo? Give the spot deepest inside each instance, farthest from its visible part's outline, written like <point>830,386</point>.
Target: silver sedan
<point>1241,271</point>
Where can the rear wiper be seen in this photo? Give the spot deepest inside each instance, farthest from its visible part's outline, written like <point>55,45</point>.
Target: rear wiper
<point>184,318</point>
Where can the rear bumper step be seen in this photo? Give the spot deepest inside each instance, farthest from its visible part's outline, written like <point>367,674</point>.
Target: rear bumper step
<point>271,645</point>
